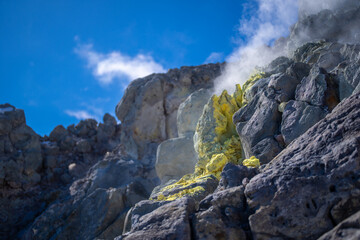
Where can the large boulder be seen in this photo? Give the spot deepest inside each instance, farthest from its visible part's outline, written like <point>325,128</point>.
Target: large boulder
<point>222,215</point>
<point>347,229</point>
<point>190,111</point>
<point>156,98</point>
<point>170,221</point>
<point>313,184</point>
<point>175,158</point>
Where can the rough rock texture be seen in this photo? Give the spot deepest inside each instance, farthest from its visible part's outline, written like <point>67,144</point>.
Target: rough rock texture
<point>38,171</point>
<point>314,183</point>
<point>96,205</point>
<point>235,175</point>
<point>348,229</point>
<point>156,98</point>
<point>35,170</point>
<point>297,118</point>
<point>222,215</point>
<point>170,221</point>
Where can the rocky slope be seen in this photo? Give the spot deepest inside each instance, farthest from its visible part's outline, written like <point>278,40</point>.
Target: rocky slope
<point>197,155</point>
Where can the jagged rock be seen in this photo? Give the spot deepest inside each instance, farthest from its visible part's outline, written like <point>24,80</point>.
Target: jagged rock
<point>170,221</point>
<point>297,118</point>
<point>348,229</point>
<point>284,85</point>
<point>109,120</point>
<point>313,184</point>
<point>140,209</point>
<point>86,128</point>
<point>97,204</point>
<point>318,89</point>
<point>258,87</point>
<point>222,215</point>
<point>235,175</point>
<point>58,134</point>
<point>190,111</point>
<point>278,65</point>
<point>348,76</point>
<point>257,121</point>
<point>298,70</point>
<point>175,158</point>
<point>157,98</point>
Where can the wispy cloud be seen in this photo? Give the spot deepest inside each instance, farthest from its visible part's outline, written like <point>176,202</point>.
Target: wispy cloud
<point>80,114</point>
<point>270,20</point>
<point>215,57</point>
<point>107,67</point>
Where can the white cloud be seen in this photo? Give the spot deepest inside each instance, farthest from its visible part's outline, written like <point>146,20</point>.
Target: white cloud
<point>214,57</point>
<point>79,115</point>
<point>107,67</point>
<point>270,21</point>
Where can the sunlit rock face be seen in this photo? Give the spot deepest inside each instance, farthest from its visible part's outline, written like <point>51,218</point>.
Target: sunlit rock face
<point>148,109</point>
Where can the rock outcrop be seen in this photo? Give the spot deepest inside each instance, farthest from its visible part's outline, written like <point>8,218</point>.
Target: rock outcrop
<point>314,183</point>
<point>35,171</point>
<point>156,98</point>
<point>278,159</point>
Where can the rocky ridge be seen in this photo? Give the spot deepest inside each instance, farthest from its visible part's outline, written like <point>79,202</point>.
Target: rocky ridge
<point>299,117</point>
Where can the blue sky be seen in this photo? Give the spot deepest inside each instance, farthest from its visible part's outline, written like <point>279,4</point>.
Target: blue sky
<point>60,60</point>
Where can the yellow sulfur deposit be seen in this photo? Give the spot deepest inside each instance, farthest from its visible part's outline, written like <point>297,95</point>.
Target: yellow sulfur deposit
<point>251,162</point>
<point>216,143</point>
<point>180,194</point>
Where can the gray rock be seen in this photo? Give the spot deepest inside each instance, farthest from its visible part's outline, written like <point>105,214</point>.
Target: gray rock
<point>258,88</point>
<point>170,221</point>
<point>258,120</point>
<point>278,65</point>
<point>284,85</point>
<point>86,128</point>
<point>298,70</point>
<point>58,134</point>
<point>83,146</point>
<point>175,158</point>
<point>190,111</point>
<point>156,98</point>
<point>222,215</point>
<point>348,229</point>
<point>105,132</point>
<point>140,209</point>
<point>234,175</point>
<point>312,89</point>
<point>348,77</point>
<point>297,118</point>
<point>313,184</point>
<point>97,204</point>
<point>109,120</point>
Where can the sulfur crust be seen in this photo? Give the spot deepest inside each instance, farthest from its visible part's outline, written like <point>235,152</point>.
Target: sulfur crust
<point>224,147</point>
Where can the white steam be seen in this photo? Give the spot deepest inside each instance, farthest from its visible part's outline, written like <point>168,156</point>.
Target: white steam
<point>308,7</point>
<point>271,21</point>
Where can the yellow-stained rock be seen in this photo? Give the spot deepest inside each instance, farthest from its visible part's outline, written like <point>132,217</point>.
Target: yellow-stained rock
<point>216,143</point>
<point>251,162</point>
